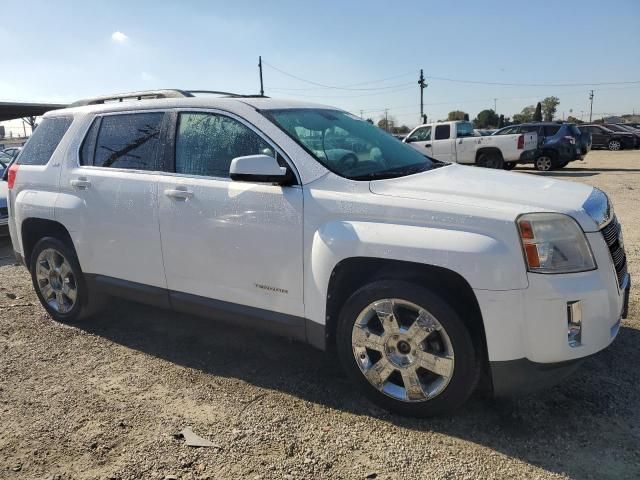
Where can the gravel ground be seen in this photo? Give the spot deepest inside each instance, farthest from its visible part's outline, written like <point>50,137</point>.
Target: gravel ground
<point>105,401</point>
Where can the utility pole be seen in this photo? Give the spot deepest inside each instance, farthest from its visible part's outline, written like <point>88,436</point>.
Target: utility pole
<point>360,114</point>
<point>260,69</point>
<point>591,108</point>
<point>423,85</point>
<point>495,105</point>
<point>386,119</point>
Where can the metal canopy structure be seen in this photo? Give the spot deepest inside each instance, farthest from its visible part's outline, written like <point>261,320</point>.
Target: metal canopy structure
<point>13,110</point>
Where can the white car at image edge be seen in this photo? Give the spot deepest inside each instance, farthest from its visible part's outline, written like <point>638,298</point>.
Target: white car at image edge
<point>426,278</point>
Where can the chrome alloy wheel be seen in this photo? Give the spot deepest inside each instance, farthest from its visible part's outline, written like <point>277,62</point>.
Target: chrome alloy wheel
<point>544,163</point>
<point>614,145</point>
<point>56,281</point>
<point>402,350</point>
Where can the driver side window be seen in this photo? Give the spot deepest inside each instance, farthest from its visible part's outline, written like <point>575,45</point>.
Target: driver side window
<point>206,143</point>
<point>422,134</point>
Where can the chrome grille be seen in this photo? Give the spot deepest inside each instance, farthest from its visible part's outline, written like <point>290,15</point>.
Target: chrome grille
<point>611,233</point>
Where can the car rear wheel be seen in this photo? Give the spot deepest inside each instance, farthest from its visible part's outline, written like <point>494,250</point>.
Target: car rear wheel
<point>490,160</point>
<point>614,145</point>
<point>59,282</point>
<point>545,162</point>
<point>562,164</point>
<point>407,349</point>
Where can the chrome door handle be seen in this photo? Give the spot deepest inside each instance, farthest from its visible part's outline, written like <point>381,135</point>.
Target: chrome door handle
<point>178,194</point>
<point>81,183</point>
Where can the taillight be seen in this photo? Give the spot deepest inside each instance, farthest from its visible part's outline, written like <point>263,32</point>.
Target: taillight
<point>11,176</point>
<point>520,142</point>
<point>570,139</point>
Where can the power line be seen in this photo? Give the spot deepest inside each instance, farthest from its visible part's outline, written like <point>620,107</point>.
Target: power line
<point>512,84</point>
<point>336,87</point>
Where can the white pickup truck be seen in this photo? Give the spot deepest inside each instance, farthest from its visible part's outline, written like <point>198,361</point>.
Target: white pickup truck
<point>456,142</point>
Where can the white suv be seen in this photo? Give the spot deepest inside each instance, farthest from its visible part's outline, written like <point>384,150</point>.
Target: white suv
<point>424,276</point>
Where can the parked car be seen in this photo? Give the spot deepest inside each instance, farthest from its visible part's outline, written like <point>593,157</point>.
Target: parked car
<point>627,127</point>
<point>4,214</point>
<point>456,142</point>
<point>558,143</point>
<point>425,277</point>
<point>12,151</point>
<point>623,129</point>
<point>604,137</point>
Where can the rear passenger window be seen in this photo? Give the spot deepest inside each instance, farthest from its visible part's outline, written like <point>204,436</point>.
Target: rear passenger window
<point>44,141</point>
<point>128,141</point>
<point>551,130</point>
<point>89,144</point>
<point>443,132</point>
<point>206,143</point>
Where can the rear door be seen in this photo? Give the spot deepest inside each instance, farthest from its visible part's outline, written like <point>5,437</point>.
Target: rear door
<point>109,198</point>
<point>443,146</point>
<point>598,136</point>
<point>420,139</point>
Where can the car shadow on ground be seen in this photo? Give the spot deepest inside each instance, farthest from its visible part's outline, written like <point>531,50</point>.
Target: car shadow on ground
<point>595,408</point>
<point>576,172</point>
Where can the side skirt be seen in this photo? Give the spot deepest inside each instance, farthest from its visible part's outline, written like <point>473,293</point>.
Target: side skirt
<point>281,324</point>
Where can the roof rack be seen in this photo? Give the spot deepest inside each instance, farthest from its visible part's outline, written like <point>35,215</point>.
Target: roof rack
<point>155,94</point>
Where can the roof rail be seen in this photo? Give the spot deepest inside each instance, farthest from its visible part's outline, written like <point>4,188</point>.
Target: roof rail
<point>154,94</point>
<point>142,95</point>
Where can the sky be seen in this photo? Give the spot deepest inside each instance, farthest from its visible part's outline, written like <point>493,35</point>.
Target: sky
<point>372,50</point>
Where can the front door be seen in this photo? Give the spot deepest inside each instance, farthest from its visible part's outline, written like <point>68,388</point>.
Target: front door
<point>223,240</point>
<point>420,139</point>
<point>598,136</point>
<point>109,201</point>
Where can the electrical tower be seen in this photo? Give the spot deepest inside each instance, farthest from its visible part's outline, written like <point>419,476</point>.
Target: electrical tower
<point>591,108</point>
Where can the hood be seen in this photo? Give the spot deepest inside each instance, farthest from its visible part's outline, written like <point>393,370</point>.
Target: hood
<point>482,188</point>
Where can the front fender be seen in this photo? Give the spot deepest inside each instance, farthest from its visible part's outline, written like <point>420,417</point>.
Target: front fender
<point>484,261</point>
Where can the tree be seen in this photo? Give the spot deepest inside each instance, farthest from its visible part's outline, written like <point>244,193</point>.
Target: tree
<point>549,107</point>
<point>572,119</point>
<point>370,120</point>
<point>537,117</point>
<point>402,129</point>
<point>486,119</point>
<point>387,123</point>
<point>466,117</point>
<point>525,116</point>
<point>501,121</point>
<point>456,115</point>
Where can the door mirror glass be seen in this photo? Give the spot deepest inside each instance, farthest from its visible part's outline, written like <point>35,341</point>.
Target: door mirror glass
<point>259,168</point>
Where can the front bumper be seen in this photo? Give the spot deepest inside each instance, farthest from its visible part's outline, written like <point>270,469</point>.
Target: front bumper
<point>527,330</point>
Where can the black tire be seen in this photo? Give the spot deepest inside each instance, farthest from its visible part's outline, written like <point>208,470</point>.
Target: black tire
<point>85,304</point>
<point>509,165</point>
<point>546,162</point>
<point>466,366</point>
<point>490,160</point>
<point>561,165</point>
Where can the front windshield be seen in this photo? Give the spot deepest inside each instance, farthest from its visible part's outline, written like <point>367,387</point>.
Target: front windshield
<point>349,146</point>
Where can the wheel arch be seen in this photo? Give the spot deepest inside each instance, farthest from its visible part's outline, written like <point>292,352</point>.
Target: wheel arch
<point>352,273</point>
<point>33,229</point>
<point>484,150</point>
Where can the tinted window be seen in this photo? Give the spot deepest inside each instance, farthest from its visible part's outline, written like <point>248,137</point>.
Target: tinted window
<point>422,134</point>
<point>129,141</point>
<point>89,144</point>
<point>44,141</point>
<point>206,144</point>
<point>551,130</point>
<point>443,132</point>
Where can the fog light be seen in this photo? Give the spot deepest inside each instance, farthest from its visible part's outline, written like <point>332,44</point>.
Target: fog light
<point>574,323</point>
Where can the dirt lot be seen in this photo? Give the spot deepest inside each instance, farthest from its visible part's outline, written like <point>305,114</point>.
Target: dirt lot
<point>102,401</point>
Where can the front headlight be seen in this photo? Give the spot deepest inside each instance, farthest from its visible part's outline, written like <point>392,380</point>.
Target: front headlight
<point>554,243</point>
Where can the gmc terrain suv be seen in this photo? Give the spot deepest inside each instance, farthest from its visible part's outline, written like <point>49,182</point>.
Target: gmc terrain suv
<point>425,277</point>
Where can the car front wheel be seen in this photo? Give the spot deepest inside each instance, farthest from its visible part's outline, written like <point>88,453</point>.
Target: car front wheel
<point>545,163</point>
<point>407,349</point>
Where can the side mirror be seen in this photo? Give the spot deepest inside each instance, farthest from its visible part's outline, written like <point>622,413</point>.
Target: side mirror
<point>259,168</point>
<point>409,140</point>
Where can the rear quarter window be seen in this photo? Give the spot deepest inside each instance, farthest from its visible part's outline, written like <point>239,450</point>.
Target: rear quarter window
<point>44,141</point>
<point>551,130</point>
<point>443,132</point>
